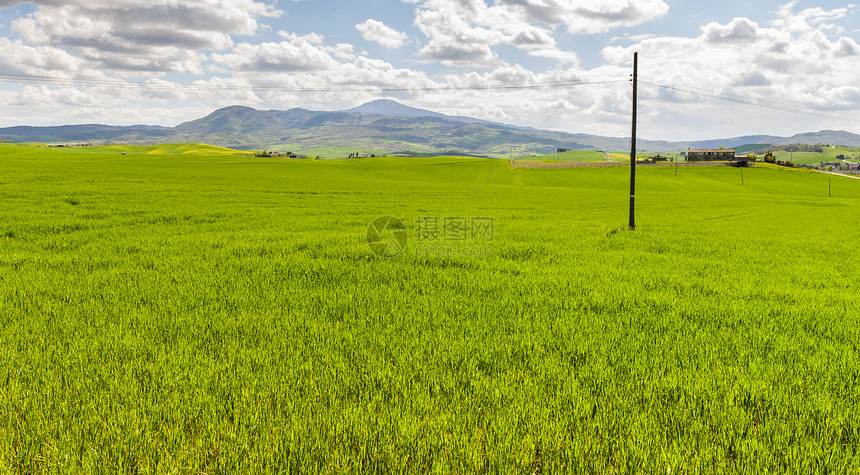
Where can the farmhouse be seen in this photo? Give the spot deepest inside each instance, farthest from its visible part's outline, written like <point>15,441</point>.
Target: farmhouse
<point>705,155</point>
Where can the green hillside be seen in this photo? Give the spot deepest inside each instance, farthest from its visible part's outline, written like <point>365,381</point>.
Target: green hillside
<point>814,158</point>
<point>184,309</point>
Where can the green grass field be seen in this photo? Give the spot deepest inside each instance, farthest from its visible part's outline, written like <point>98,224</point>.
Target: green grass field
<point>813,158</point>
<point>171,311</point>
<point>571,156</point>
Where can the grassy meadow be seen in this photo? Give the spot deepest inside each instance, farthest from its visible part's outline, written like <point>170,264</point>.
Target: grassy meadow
<point>570,156</point>
<point>814,158</point>
<point>180,309</point>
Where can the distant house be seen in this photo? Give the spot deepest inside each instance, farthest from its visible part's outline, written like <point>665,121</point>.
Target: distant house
<point>706,155</point>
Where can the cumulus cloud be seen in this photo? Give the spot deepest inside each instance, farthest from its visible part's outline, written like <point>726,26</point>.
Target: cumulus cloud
<point>798,59</point>
<point>42,60</point>
<point>463,32</point>
<point>160,35</point>
<point>754,78</point>
<point>296,55</point>
<point>808,19</point>
<point>376,31</point>
<point>589,17</point>
<point>738,30</point>
<point>847,47</point>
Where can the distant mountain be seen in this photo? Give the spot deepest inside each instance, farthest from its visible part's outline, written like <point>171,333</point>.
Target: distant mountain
<point>382,126</point>
<point>240,119</point>
<point>377,127</point>
<point>832,137</point>
<point>81,133</point>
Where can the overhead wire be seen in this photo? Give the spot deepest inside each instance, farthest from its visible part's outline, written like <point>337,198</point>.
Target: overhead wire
<point>739,99</point>
<point>687,89</point>
<point>59,81</point>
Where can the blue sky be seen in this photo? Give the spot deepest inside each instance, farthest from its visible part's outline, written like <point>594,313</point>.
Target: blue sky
<point>710,69</point>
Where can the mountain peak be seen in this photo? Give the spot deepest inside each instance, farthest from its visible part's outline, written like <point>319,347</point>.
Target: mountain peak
<point>234,110</point>
<point>390,107</point>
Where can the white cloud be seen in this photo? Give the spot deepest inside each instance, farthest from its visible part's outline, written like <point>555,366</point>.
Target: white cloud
<point>846,47</point>
<point>796,61</point>
<point>299,53</point>
<point>463,33</point>
<point>66,96</point>
<point>738,30</point>
<point>284,57</point>
<point>376,31</point>
<point>42,60</point>
<point>597,16</point>
<point>808,19</point>
<point>160,35</point>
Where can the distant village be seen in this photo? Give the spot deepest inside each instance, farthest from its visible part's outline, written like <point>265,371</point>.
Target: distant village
<point>730,155</point>
<point>691,155</point>
<point>298,155</point>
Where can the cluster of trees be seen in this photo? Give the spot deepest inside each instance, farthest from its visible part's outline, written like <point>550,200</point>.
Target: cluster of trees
<point>817,148</point>
<point>769,158</point>
<point>281,154</point>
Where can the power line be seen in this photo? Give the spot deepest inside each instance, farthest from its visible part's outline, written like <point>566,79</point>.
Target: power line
<point>757,102</point>
<point>108,83</point>
<point>179,86</point>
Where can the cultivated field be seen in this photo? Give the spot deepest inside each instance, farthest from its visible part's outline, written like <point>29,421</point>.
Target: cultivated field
<point>573,155</point>
<point>180,309</point>
<point>813,158</point>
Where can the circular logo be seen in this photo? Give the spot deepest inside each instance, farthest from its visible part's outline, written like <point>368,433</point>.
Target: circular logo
<point>386,236</point>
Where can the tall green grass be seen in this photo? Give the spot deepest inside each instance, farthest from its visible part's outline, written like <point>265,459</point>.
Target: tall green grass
<point>208,313</point>
<point>572,156</point>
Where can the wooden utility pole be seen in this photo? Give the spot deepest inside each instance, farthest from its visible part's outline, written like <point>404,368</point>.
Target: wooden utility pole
<point>633,143</point>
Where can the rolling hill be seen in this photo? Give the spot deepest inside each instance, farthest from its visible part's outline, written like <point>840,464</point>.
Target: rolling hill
<point>382,126</point>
